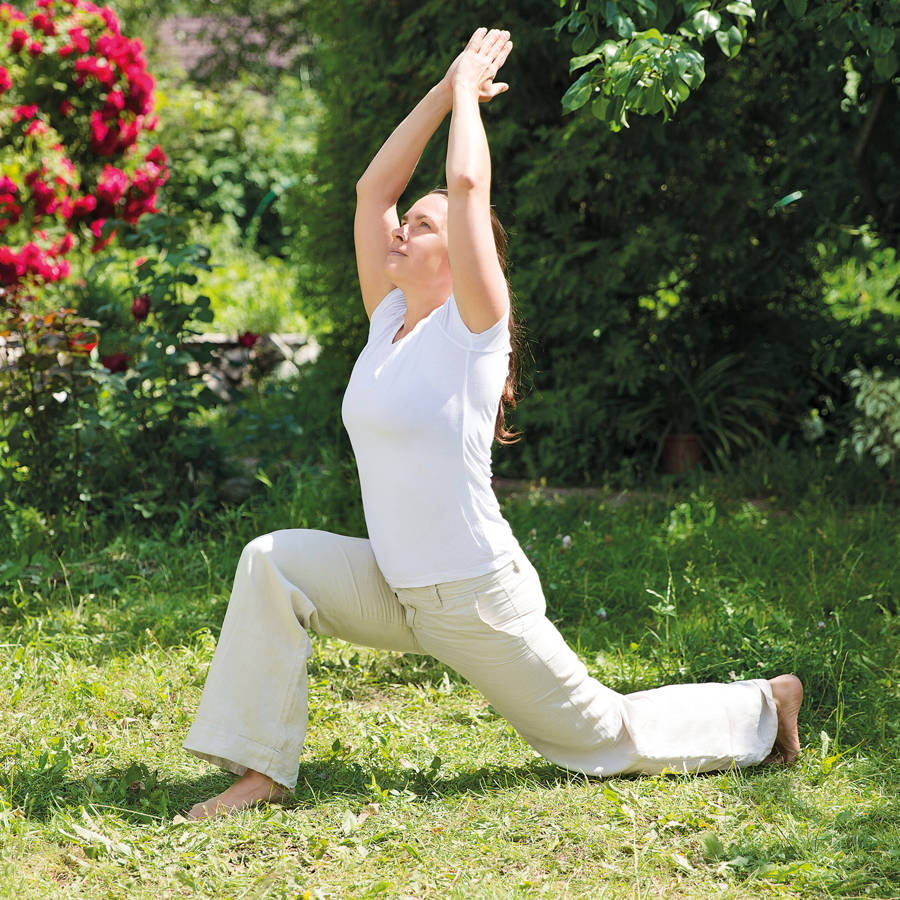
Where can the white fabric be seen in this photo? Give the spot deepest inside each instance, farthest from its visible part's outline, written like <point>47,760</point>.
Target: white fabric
<point>420,414</point>
<point>490,628</point>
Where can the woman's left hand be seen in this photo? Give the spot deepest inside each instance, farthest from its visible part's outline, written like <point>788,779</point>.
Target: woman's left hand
<point>474,69</point>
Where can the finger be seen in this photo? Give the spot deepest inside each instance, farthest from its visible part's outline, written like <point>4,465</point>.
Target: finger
<point>476,40</point>
<point>498,87</point>
<point>495,41</point>
<point>503,54</point>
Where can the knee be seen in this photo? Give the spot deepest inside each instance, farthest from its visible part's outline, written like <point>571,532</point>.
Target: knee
<point>289,548</point>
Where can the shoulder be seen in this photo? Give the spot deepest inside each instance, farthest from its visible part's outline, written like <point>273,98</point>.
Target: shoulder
<point>494,339</point>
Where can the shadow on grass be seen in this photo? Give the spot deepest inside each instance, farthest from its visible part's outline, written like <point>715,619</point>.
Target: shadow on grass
<point>140,795</point>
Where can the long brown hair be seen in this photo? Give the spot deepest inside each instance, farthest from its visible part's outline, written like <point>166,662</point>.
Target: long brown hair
<point>509,396</point>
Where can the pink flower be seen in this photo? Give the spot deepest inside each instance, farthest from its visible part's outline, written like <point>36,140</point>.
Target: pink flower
<point>80,40</point>
<point>17,40</point>
<point>64,246</point>
<point>12,14</point>
<point>84,206</point>
<point>116,362</point>
<point>12,266</point>
<point>157,155</point>
<point>35,48</point>
<point>5,80</point>
<point>115,103</point>
<point>10,212</point>
<point>103,138</point>
<point>109,17</point>
<point>43,22</point>
<point>111,187</point>
<point>45,199</point>
<point>66,107</point>
<point>247,339</point>
<point>100,241</point>
<point>140,307</point>
<point>24,112</point>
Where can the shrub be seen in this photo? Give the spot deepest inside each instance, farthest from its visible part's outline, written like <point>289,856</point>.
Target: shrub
<point>94,409</point>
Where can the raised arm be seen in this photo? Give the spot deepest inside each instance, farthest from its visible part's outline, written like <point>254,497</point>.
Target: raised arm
<point>479,285</point>
<point>381,185</point>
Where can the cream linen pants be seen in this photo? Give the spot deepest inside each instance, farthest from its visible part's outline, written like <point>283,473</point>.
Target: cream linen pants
<point>491,629</point>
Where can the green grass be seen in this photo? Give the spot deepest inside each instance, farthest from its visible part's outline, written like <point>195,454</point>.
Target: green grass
<point>410,785</point>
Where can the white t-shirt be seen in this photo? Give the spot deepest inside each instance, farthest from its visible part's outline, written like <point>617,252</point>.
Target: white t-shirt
<point>420,414</point>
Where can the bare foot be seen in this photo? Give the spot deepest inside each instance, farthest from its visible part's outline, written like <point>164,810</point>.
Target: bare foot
<point>249,790</point>
<point>787,691</point>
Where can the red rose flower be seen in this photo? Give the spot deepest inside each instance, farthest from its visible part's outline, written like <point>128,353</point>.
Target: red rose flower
<point>103,138</point>
<point>24,112</point>
<point>17,40</point>
<point>12,266</point>
<point>248,339</point>
<point>5,80</point>
<point>10,212</point>
<point>80,40</point>
<point>66,107</point>
<point>84,206</point>
<point>111,187</point>
<point>35,48</point>
<point>43,22</point>
<point>116,362</point>
<point>140,307</point>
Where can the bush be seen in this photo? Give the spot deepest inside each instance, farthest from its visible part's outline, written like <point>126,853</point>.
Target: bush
<point>629,251</point>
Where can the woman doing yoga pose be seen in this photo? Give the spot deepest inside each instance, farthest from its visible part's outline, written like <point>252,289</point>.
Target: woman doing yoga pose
<point>441,572</point>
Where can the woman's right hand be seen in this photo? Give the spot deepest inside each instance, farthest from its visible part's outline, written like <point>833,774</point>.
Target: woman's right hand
<point>479,62</point>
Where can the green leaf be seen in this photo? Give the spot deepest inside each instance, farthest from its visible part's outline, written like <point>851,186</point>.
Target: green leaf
<point>584,40</point>
<point>730,41</point>
<point>579,62</point>
<point>795,7</point>
<point>653,99</point>
<point>787,199</point>
<point>741,9</point>
<point>706,22</point>
<point>600,107</point>
<point>886,66</point>
<point>578,93</point>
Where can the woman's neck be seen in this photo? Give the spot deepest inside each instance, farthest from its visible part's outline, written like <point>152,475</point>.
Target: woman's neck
<point>422,302</point>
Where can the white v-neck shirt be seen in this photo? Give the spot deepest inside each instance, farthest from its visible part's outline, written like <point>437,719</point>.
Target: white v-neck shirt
<point>420,414</point>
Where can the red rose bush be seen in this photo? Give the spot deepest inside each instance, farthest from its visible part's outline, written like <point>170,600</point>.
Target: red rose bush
<point>76,102</point>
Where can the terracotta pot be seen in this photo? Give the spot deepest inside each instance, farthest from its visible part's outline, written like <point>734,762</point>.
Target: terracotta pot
<point>681,453</point>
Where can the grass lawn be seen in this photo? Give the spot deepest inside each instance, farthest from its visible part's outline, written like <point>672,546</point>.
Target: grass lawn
<point>410,784</point>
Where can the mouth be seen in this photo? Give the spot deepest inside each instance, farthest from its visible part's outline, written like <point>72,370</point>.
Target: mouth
<point>396,253</point>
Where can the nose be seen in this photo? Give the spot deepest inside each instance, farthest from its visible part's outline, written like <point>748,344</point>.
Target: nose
<point>400,232</point>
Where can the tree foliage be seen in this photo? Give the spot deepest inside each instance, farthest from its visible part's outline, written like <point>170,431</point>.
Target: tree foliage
<point>642,257</point>
<point>646,57</point>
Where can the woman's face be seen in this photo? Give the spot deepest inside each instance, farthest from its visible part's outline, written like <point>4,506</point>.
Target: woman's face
<point>418,252</point>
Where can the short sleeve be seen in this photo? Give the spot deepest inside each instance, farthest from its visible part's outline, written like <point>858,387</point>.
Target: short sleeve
<point>495,339</point>
<point>385,314</point>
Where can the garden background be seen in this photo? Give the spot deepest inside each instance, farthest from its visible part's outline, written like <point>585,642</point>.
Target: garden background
<point>703,206</point>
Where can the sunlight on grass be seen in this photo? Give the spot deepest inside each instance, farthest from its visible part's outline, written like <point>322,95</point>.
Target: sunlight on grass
<point>410,784</point>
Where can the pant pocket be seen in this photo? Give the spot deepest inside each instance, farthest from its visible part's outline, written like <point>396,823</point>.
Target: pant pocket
<point>513,606</point>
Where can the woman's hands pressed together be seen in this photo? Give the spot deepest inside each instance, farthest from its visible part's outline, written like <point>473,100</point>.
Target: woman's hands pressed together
<point>474,69</point>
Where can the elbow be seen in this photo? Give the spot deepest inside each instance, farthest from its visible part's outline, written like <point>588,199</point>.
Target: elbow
<point>463,182</point>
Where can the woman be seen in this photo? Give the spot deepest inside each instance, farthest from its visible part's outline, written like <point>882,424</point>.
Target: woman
<point>442,573</point>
